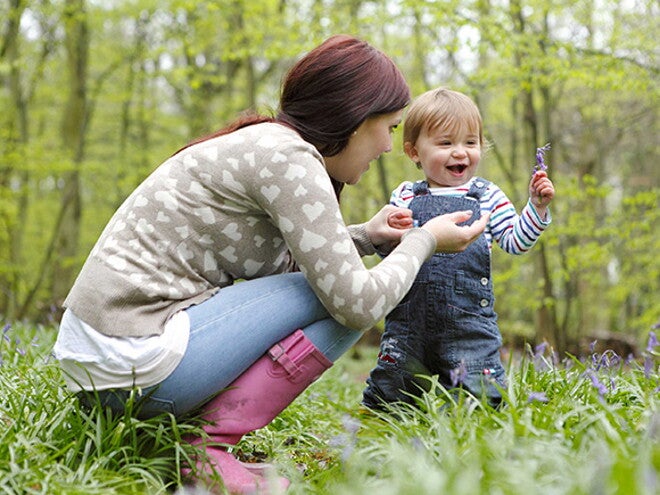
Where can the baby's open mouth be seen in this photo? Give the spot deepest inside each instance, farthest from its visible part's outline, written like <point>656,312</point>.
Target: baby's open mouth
<point>457,169</point>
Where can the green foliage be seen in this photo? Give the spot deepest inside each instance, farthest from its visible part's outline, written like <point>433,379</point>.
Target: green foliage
<point>49,444</point>
<point>163,72</point>
<point>577,427</point>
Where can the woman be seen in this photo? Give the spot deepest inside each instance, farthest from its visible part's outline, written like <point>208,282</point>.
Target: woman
<point>156,305</point>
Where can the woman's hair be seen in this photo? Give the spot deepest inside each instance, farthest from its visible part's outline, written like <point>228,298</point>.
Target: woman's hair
<point>328,93</point>
<point>444,108</point>
<point>336,87</point>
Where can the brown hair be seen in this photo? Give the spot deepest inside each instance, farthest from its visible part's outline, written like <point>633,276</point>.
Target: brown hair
<point>328,93</point>
<point>445,108</point>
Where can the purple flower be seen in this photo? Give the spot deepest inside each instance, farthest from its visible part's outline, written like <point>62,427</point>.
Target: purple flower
<point>607,359</point>
<point>540,158</point>
<point>459,374</point>
<point>417,444</point>
<point>537,397</point>
<point>539,350</point>
<point>649,354</point>
<point>350,424</point>
<point>648,366</point>
<point>538,360</point>
<point>602,389</point>
<point>346,440</point>
<point>652,342</point>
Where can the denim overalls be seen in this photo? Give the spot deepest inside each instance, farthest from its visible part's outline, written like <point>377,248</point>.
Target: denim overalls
<point>446,324</point>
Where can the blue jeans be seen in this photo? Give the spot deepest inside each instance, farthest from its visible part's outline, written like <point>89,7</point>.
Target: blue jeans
<point>229,332</point>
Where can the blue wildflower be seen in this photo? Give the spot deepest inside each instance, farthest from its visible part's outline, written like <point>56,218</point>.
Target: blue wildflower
<point>346,440</point>
<point>650,353</point>
<point>540,158</point>
<point>652,343</point>
<point>459,374</point>
<point>417,444</point>
<point>648,366</point>
<point>607,359</point>
<point>539,350</point>
<point>598,385</point>
<point>538,360</point>
<point>351,424</point>
<point>537,397</point>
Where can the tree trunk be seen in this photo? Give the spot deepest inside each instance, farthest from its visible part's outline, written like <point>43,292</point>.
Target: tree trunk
<point>73,130</point>
<point>13,180</point>
<point>546,319</point>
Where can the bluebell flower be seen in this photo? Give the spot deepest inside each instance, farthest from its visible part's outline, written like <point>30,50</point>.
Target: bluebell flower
<point>537,397</point>
<point>348,439</point>
<point>648,366</point>
<point>598,385</point>
<point>652,343</point>
<point>459,374</point>
<point>539,350</point>
<point>540,158</point>
<point>417,444</point>
<point>350,424</point>
<point>650,353</point>
<point>538,359</point>
<point>607,359</point>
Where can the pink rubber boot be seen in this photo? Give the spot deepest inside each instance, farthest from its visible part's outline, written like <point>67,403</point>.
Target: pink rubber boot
<point>251,402</point>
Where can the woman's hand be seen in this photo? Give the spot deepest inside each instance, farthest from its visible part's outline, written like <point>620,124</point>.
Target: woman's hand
<point>451,238</point>
<point>388,225</point>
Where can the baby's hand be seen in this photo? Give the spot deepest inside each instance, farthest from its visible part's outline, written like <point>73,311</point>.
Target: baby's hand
<point>400,219</point>
<point>387,226</point>
<point>541,191</point>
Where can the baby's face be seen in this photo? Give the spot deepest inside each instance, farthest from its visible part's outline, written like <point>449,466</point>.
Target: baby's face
<point>448,158</point>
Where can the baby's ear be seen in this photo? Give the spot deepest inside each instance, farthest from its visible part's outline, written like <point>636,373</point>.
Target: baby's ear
<point>411,151</point>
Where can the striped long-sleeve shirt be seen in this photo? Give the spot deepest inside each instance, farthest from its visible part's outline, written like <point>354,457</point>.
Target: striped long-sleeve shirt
<point>515,234</point>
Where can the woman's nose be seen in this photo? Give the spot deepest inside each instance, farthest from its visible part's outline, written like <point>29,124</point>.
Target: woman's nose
<point>388,145</point>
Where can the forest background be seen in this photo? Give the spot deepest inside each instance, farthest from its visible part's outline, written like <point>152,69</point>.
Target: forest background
<point>95,94</point>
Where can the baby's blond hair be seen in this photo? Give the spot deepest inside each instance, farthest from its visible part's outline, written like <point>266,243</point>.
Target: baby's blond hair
<point>445,108</point>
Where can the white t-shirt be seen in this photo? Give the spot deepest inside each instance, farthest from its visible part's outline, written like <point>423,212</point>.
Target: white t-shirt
<point>93,361</point>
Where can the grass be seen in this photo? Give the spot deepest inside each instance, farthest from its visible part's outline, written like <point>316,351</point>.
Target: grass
<point>576,427</point>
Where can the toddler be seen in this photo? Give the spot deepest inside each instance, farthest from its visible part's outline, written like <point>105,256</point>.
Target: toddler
<point>446,324</point>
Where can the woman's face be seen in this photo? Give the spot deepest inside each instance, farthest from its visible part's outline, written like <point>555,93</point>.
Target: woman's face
<point>370,140</point>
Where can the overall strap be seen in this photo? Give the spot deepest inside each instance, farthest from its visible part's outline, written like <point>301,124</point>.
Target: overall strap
<point>420,188</point>
<point>478,188</point>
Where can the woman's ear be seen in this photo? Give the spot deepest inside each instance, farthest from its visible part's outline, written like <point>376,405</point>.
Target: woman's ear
<point>411,151</point>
